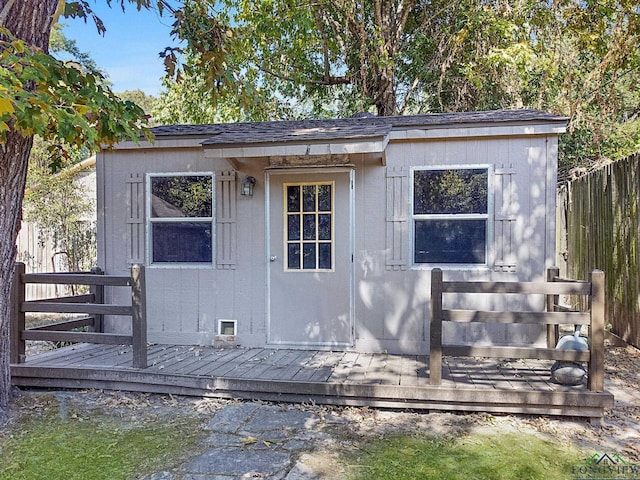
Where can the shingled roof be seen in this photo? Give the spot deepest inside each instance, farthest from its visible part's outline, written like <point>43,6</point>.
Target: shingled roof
<point>361,127</point>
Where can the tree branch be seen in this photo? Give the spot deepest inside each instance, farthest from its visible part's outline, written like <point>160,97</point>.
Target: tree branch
<point>5,11</point>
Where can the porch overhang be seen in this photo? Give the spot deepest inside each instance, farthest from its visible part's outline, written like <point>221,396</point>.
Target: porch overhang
<point>314,146</point>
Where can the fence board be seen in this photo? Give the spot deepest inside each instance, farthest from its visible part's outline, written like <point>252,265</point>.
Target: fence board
<point>53,307</point>
<point>77,279</point>
<point>88,337</point>
<point>515,352</point>
<point>66,325</point>
<point>536,318</point>
<point>542,288</point>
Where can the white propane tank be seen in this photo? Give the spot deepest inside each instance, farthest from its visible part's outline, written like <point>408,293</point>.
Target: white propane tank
<point>570,373</point>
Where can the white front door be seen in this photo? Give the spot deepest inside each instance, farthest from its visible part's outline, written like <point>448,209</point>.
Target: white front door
<point>310,258</point>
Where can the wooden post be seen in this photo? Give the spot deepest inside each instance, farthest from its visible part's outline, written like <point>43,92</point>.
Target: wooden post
<point>98,295</point>
<point>435,352</point>
<point>552,330</point>
<point>596,330</point>
<point>17,323</point>
<point>139,316</point>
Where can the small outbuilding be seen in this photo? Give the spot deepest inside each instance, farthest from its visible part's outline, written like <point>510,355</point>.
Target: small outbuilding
<point>323,233</point>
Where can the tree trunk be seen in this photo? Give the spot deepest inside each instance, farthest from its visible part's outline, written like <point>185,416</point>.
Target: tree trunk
<point>385,99</point>
<point>31,21</point>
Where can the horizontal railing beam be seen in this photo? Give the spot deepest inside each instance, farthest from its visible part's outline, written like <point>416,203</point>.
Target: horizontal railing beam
<point>568,280</point>
<point>516,352</point>
<point>76,279</point>
<point>88,298</point>
<point>66,325</point>
<point>536,318</point>
<point>78,337</point>
<point>540,288</point>
<point>88,308</point>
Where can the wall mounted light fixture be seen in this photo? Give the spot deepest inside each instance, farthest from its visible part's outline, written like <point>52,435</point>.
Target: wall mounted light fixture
<point>246,187</point>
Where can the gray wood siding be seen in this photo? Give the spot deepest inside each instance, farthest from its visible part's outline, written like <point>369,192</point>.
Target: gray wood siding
<point>392,304</point>
<point>391,295</point>
<point>185,302</point>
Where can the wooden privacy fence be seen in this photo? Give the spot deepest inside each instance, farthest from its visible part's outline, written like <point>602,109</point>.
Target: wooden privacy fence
<point>91,304</point>
<point>599,219</point>
<point>553,316</point>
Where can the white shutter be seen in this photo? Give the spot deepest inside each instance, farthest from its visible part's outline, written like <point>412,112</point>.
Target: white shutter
<point>226,218</point>
<point>135,218</point>
<point>397,218</point>
<point>504,221</point>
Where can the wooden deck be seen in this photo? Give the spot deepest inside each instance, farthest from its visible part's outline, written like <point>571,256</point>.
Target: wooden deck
<point>323,377</point>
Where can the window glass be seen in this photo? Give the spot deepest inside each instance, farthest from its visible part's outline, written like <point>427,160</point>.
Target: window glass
<point>181,196</point>
<point>293,255</point>
<point>309,198</point>
<point>324,198</point>
<point>450,241</point>
<point>324,226</point>
<point>309,224</point>
<point>450,191</point>
<point>293,230</point>
<point>185,242</point>
<point>293,198</point>
<point>181,223</point>
<point>450,215</point>
<point>324,255</point>
<point>309,256</point>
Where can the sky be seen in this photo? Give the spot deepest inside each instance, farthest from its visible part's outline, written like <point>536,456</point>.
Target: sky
<point>128,51</point>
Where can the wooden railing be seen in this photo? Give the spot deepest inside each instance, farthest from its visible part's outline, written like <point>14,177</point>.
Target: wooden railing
<point>91,304</point>
<point>552,317</point>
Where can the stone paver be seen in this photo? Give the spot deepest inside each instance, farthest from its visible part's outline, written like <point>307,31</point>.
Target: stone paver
<point>253,440</point>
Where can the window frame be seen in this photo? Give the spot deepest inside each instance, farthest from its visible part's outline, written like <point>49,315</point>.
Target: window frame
<point>488,217</point>
<point>150,221</point>
<point>316,241</point>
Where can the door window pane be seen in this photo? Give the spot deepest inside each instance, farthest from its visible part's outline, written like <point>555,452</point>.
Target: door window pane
<point>293,198</point>
<point>293,255</point>
<point>293,227</point>
<point>309,256</point>
<point>324,226</point>
<point>324,255</point>
<point>309,198</point>
<point>324,198</point>
<point>309,228</point>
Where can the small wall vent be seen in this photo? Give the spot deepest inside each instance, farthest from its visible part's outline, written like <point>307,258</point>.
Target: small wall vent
<point>227,327</point>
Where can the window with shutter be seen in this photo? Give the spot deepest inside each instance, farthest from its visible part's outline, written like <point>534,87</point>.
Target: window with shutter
<point>181,218</point>
<point>450,212</point>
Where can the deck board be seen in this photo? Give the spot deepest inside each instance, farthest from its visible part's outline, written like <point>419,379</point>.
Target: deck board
<point>336,378</point>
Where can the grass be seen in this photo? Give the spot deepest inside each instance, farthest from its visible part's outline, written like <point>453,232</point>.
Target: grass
<point>473,456</point>
<point>91,445</point>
